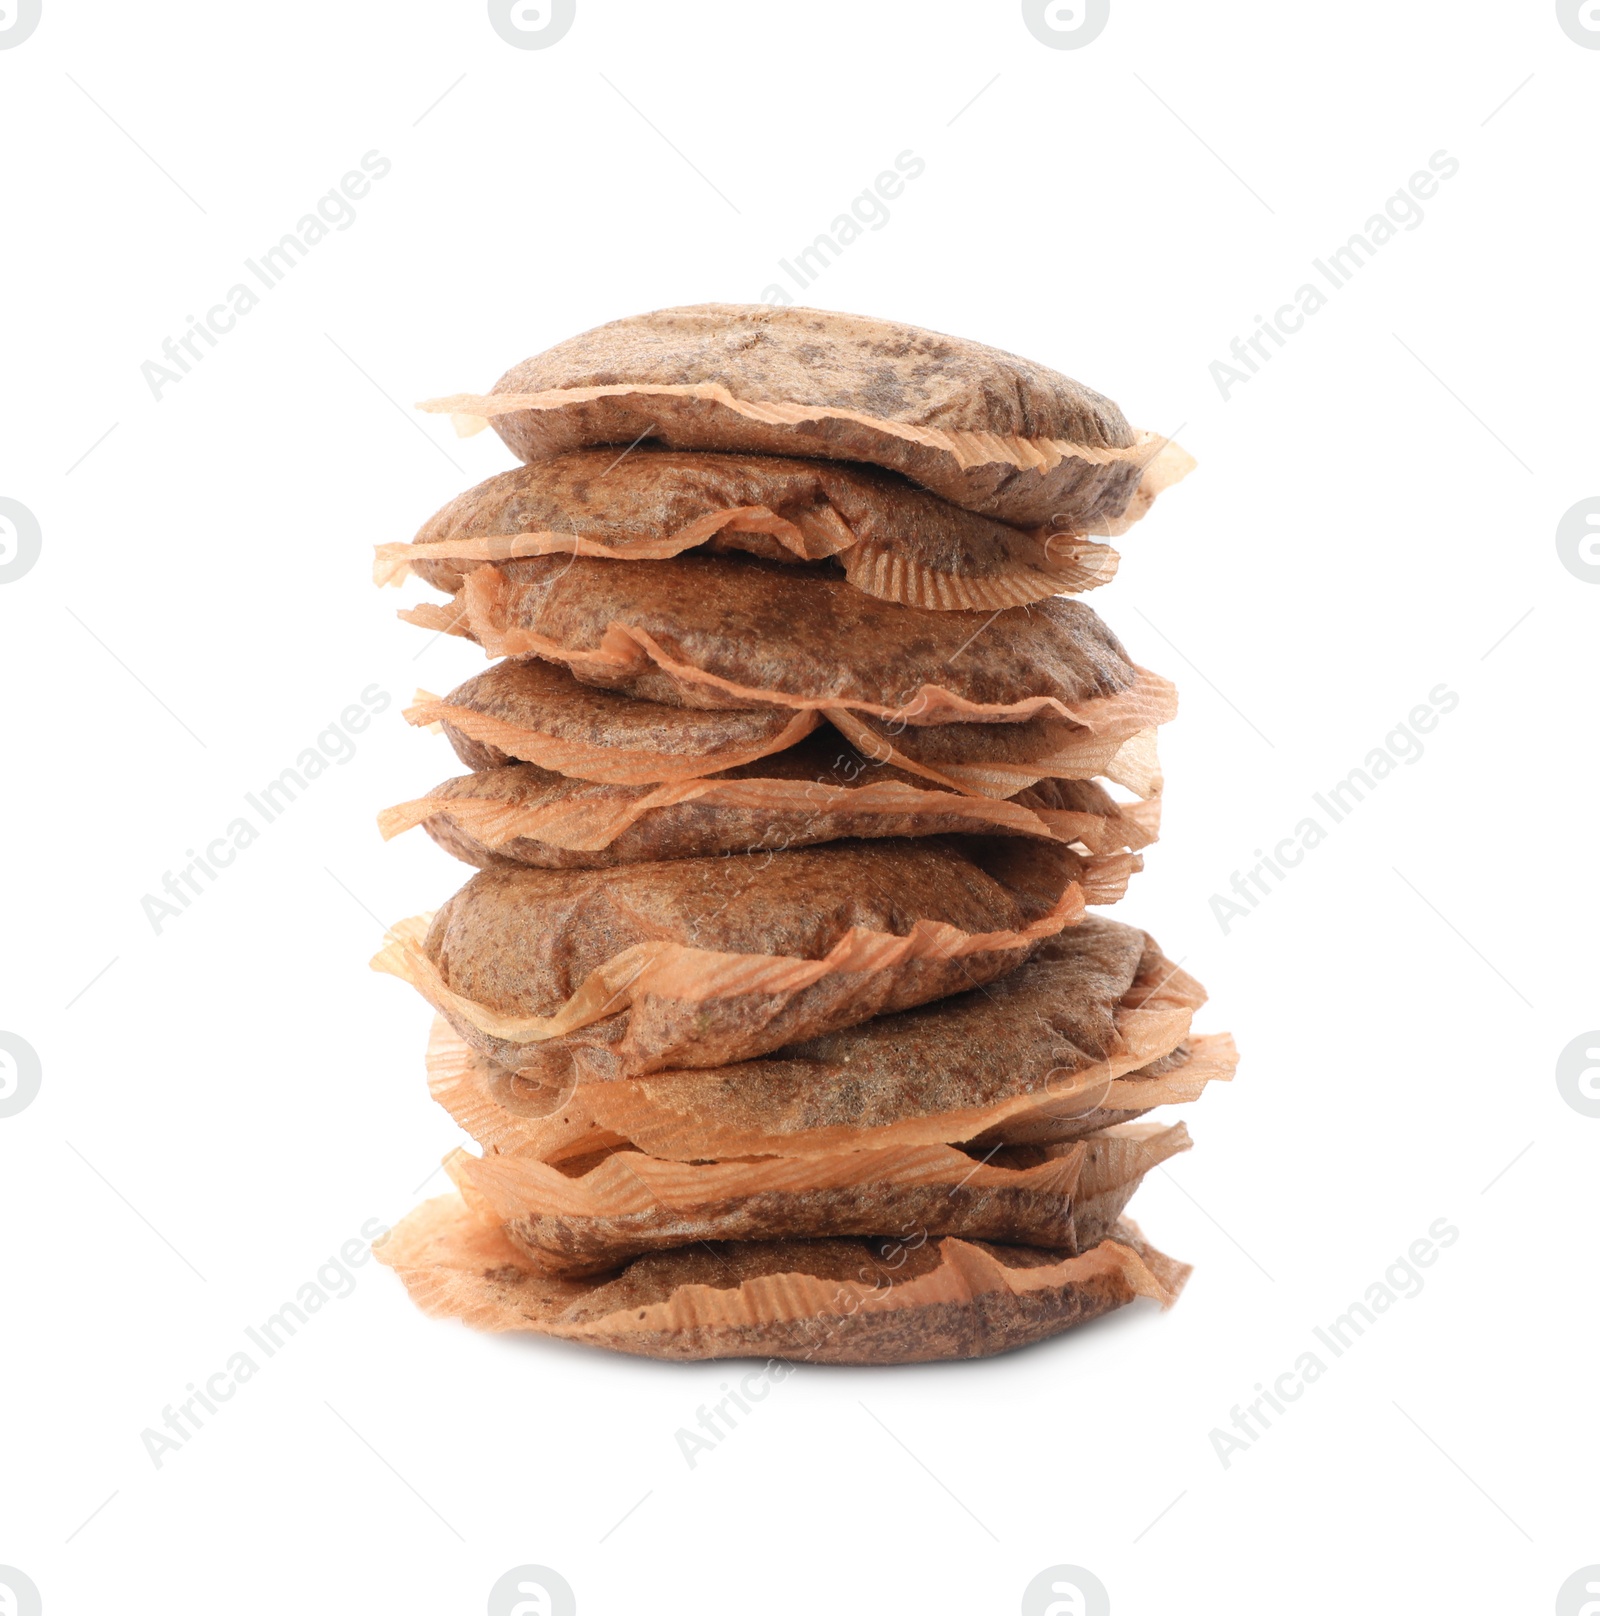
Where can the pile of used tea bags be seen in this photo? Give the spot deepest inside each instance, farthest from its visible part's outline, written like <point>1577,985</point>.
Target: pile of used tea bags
<point>776,1006</point>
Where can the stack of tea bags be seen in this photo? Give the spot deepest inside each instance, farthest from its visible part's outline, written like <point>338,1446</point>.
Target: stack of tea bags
<point>775,1008</point>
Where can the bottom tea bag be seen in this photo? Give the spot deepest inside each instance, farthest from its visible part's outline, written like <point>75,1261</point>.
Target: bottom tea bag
<point>808,1301</point>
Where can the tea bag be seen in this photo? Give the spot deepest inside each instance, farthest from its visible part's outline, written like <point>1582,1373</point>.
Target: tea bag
<point>536,712</point>
<point>888,537</point>
<point>819,791</point>
<point>732,631</point>
<point>984,429</point>
<point>1092,1031</point>
<point>625,1203</point>
<point>697,962</point>
<point>856,1301</point>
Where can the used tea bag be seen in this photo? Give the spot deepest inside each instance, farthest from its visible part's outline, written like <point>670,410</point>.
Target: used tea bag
<point>855,1301</point>
<point>536,712</point>
<point>983,428</point>
<point>532,711</point>
<point>732,631</point>
<point>819,791</point>
<point>1092,1031</point>
<point>626,1203</point>
<point>696,962</point>
<point>891,538</point>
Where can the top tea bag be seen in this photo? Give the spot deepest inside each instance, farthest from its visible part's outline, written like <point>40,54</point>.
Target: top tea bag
<point>983,428</point>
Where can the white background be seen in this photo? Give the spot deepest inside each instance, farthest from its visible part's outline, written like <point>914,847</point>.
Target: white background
<point>1374,515</point>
